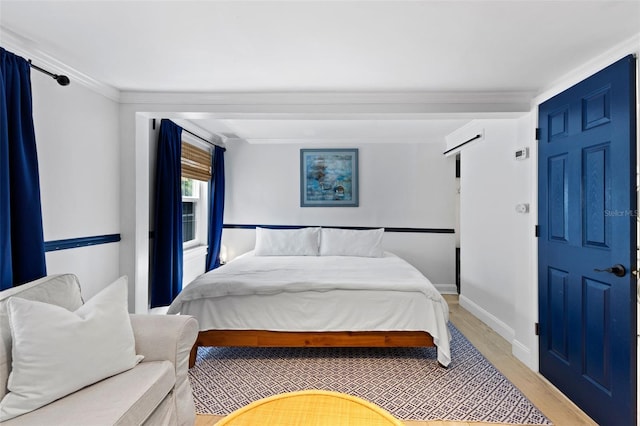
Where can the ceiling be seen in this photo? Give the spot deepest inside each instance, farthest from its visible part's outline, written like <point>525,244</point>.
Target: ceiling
<point>234,48</point>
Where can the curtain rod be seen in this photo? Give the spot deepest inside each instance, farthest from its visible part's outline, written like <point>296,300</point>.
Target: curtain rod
<point>463,143</point>
<point>62,80</point>
<point>194,135</point>
<point>199,137</point>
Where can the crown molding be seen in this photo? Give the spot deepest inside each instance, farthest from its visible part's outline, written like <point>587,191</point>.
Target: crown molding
<point>471,101</point>
<point>352,141</point>
<point>30,50</point>
<point>334,105</point>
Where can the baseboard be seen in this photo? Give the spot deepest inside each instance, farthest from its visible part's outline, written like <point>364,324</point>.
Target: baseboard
<point>518,349</point>
<point>523,353</point>
<point>496,324</point>
<point>446,288</point>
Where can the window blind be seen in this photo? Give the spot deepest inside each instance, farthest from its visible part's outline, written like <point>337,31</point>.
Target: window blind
<point>196,162</point>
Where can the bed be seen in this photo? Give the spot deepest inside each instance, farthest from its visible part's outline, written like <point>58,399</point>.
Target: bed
<point>317,287</point>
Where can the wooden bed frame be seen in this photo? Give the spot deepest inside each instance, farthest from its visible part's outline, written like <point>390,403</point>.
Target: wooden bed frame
<point>263,338</point>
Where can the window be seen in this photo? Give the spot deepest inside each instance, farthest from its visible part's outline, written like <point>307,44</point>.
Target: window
<point>190,198</point>
<point>196,172</point>
<point>194,212</point>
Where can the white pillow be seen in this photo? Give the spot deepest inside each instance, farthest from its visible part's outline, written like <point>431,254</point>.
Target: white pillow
<point>348,242</point>
<point>57,352</point>
<point>287,242</point>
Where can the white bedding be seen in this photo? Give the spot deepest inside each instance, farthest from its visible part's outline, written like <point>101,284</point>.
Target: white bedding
<point>317,293</point>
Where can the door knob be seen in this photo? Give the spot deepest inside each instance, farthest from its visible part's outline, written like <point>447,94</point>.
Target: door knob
<point>618,270</point>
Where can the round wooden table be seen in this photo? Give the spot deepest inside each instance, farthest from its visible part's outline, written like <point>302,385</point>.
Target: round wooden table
<point>310,408</point>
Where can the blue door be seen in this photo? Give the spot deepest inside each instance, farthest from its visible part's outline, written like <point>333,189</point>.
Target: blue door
<point>587,243</point>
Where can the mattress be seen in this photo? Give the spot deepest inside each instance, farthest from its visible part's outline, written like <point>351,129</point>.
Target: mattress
<point>317,293</point>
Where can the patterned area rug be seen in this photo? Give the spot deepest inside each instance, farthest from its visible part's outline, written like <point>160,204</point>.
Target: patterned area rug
<point>407,382</point>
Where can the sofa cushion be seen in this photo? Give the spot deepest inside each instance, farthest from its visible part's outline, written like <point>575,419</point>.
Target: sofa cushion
<point>126,399</point>
<point>56,352</point>
<point>61,290</point>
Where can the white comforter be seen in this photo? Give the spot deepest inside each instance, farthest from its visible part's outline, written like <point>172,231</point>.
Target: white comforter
<point>318,293</point>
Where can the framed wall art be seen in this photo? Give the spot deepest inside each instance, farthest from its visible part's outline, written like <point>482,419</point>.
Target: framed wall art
<point>329,177</point>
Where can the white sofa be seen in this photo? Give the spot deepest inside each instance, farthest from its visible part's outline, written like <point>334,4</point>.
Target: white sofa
<point>154,392</point>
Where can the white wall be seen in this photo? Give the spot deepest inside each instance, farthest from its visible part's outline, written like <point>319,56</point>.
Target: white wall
<point>78,156</point>
<point>401,185</point>
<point>495,240</point>
<point>525,342</point>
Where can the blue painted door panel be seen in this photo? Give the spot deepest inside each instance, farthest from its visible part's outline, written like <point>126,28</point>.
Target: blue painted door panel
<point>587,218</point>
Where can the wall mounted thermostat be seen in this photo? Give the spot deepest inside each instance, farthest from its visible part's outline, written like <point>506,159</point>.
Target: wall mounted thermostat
<point>522,153</point>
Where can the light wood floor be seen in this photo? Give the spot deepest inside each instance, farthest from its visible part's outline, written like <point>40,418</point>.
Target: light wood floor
<point>540,392</point>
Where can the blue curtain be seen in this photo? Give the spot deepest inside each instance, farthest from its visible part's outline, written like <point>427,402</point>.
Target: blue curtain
<point>216,208</point>
<point>166,268</point>
<point>21,235</point>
